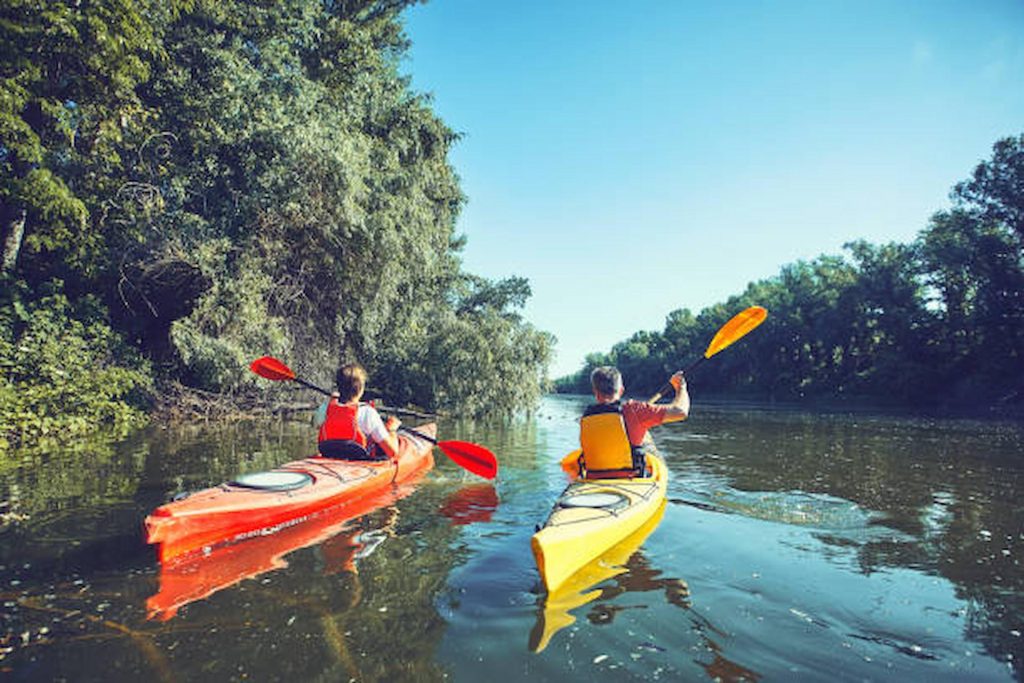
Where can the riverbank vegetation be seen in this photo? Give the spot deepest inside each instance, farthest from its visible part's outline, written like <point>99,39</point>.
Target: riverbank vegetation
<point>938,322</point>
<point>186,185</point>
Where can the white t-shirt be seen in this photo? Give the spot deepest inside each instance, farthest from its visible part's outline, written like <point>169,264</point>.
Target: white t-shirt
<point>367,417</point>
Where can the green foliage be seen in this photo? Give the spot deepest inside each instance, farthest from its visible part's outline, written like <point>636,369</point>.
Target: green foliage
<point>67,104</point>
<point>65,372</point>
<point>472,354</point>
<point>215,342</point>
<point>232,179</point>
<point>995,188</point>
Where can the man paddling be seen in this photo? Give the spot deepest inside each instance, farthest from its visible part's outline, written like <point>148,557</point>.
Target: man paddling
<point>351,430</point>
<point>612,433</point>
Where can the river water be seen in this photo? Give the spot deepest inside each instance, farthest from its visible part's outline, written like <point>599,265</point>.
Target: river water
<point>794,546</point>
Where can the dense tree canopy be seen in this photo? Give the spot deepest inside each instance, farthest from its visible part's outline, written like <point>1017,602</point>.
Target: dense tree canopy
<point>227,179</point>
<point>939,321</point>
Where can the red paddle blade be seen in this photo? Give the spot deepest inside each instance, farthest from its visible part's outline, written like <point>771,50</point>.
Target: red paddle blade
<point>472,457</point>
<point>271,368</point>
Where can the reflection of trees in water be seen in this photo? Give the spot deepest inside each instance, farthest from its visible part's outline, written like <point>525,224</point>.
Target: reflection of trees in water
<point>80,506</point>
<point>516,440</point>
<point>151,464</point>
<point>722,669</point>
<point>952,487</point>
<point>64,620</point>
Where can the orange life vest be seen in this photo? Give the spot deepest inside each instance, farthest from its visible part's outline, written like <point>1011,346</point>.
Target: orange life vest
<point>604,439</point>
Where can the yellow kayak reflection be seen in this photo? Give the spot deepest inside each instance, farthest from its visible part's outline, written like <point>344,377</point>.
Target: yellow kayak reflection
<point>580,588</point>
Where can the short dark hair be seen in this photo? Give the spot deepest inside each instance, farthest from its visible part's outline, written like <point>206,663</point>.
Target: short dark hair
<point>606,380</point>
<point>351,379</point>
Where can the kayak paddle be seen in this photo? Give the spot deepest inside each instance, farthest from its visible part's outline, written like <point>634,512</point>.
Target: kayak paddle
<point>734,330</point>
<point>470,456</point>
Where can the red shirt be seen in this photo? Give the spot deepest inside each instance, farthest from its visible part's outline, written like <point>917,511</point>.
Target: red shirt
<point>640,417</point>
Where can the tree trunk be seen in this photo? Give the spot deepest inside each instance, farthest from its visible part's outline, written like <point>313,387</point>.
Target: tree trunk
<point>14,232</point>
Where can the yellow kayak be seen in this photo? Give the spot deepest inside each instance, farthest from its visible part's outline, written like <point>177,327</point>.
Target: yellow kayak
<point>592,516</point>
<point>579,590</point>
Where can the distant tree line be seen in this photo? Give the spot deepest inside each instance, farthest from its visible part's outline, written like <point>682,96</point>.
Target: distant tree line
<point>937,322</point>
<point>188,184</point>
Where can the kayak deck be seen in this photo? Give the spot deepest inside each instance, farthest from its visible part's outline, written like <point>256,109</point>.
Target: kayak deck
<point>232,511</point>
<point>591,516</point>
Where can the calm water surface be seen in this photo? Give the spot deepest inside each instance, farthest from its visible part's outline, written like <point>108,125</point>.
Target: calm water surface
<point>794,546</point>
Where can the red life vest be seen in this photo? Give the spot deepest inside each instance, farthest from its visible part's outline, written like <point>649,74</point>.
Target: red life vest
<point>341,424</point>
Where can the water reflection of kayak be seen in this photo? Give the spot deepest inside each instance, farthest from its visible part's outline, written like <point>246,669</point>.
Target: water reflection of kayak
<point>259,503</point>
<point>591,516</point>
<point>471,504</point>
<point>580,588</point>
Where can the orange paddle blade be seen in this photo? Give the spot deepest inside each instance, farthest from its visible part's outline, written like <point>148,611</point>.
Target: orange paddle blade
<point>571,462</point>
<point>271,368</point>
<point>740,324</point>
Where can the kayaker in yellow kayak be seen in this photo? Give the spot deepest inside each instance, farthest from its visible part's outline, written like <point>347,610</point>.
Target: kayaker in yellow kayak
<point>612,433</point>
<point>351,430</point>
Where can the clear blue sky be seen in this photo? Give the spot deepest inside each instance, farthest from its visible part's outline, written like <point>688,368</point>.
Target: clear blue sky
<point>630,159</point>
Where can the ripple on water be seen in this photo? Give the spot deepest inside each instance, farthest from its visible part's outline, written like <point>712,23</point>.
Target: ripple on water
<point>816,510</point>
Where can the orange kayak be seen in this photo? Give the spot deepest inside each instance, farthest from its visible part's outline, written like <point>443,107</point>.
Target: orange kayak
<point>199,575</point>
<point>265,502</point>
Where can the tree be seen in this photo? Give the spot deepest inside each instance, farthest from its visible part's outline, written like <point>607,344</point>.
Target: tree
<point>67,102</point>
<point>975,272</point>
<point>996,188</point>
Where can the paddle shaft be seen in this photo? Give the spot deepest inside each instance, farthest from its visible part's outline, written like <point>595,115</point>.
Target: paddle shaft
<point>394,410</point>
<point>667,387</point>
<point>388,409</point>
<point>418,434</point>
<point>728,334</point>
<point>310,386</point>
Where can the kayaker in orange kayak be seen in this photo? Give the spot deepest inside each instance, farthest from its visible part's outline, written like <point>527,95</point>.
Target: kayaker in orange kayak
<point>351,430</point>
<point>612,433</point>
